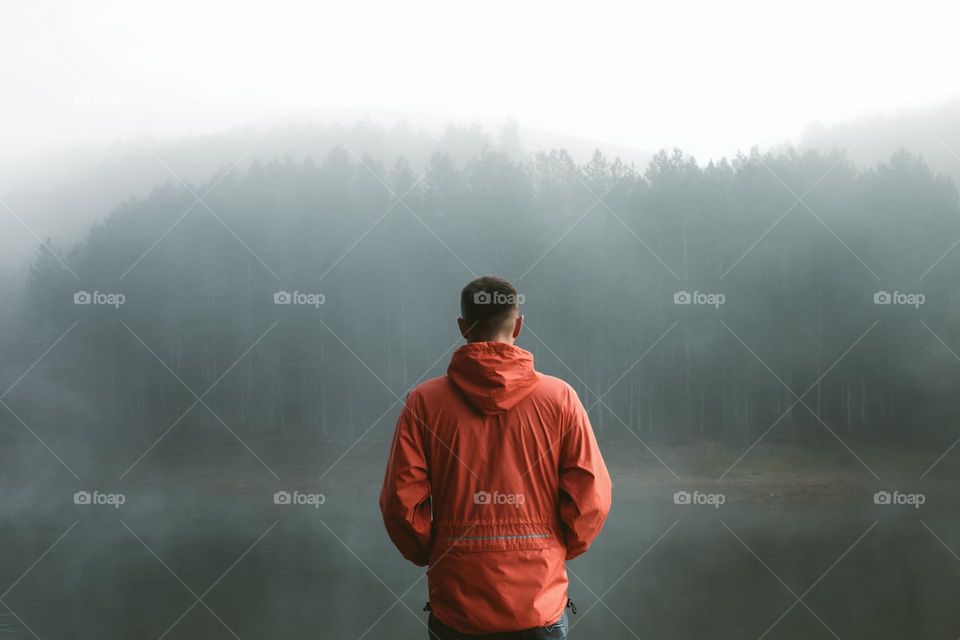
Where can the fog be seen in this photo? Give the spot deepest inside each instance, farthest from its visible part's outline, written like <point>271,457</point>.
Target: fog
<point>709,78</point>
<point>232,239</point>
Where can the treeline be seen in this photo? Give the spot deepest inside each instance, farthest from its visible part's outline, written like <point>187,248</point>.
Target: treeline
<point>795,246</point>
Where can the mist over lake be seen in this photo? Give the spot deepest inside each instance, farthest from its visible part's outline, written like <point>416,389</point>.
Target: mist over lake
<point>233,241</point>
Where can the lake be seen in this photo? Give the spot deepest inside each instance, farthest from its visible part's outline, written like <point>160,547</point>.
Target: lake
<point>199,562</point>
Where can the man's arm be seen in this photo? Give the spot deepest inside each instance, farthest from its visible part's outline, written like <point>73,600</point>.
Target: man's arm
<point>585,486</point>
<point>405,497</point>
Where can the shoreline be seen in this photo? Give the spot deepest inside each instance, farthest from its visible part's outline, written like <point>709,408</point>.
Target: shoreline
<point>768,472</point>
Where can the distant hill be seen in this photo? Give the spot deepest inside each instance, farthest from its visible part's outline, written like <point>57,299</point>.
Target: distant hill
<point>63,195</point>
<point>931,133</point>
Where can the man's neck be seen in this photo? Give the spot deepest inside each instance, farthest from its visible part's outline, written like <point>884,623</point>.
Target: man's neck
<point>498,339</point>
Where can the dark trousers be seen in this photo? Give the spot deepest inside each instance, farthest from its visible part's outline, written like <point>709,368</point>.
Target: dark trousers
<point>555,631</point>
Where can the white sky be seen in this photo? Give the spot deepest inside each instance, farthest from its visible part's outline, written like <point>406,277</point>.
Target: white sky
<point>708,76</point>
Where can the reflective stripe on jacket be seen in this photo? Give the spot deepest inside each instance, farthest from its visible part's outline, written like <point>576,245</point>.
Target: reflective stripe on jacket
<point>494,479</point>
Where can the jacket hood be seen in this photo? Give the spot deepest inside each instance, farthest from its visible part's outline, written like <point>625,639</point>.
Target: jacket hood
<point>494,376</point>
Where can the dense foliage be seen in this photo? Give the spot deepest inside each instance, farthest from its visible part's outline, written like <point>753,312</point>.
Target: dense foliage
<point>598,251</point>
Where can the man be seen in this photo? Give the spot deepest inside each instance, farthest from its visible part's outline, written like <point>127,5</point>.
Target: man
<point>494,480</point>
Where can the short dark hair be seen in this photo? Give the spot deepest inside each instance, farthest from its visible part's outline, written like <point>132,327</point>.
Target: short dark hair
<point>487,304</point>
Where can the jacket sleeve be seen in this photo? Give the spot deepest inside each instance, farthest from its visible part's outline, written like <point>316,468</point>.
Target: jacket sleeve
<point>585,486</point>
<point>405,496</point>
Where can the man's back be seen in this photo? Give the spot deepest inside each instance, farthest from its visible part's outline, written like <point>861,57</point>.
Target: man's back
<point>494,480</point>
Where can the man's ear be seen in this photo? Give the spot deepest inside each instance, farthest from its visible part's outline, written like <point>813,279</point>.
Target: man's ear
<point>517,325</point>
<point>464,328</point>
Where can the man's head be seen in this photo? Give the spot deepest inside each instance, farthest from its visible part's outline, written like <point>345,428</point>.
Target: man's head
<point>490,311</point>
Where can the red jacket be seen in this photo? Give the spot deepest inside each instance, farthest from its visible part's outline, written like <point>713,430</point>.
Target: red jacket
<point>494,479</point>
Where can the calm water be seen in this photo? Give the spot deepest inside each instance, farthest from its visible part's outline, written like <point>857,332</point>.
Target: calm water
<point>299,581</point>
